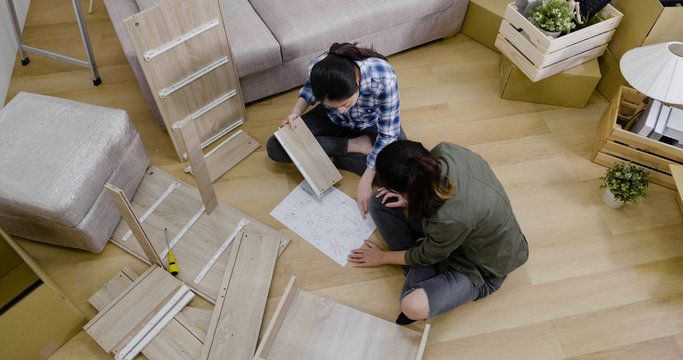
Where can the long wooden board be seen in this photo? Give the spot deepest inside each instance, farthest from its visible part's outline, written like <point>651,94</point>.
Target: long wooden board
<point>200,242</point>
<point>119,198</point>
<point>194,151</point>
<point>308,156</point>
<point>192,36</point>
<point>307,326</point>
<point>182,338</point>
<point>236,321</point>
<point>114,326</point>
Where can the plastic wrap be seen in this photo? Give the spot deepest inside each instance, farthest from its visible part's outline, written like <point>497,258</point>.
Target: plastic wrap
<point>55,157</point>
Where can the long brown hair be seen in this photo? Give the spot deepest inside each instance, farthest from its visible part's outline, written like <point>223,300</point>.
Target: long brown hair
<point>408,168</point>
<point>334,77</point>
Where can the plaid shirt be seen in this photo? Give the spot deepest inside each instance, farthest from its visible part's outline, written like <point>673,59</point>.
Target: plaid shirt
<point>377,103</point>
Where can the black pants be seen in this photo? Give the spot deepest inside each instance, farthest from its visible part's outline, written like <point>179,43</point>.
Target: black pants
<point>333,138</point>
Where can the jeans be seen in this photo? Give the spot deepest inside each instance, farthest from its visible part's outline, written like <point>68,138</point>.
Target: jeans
<point>446,290</point>
<point>333,138</point>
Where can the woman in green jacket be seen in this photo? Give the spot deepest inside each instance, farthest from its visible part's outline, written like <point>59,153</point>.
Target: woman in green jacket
<point>444,207</point>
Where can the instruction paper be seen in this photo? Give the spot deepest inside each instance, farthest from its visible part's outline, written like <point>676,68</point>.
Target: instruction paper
<point>331,223</point>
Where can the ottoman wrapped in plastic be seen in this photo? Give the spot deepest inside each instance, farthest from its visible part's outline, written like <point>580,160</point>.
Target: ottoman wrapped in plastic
<point>55,157</point>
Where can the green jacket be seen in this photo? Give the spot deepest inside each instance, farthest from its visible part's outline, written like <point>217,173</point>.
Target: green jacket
<point>475,230</point>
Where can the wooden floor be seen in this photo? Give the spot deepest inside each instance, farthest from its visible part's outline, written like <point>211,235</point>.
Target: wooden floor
<point>599,283</point>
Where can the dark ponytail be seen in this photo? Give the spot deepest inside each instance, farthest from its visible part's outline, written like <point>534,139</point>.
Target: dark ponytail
<point>334,77</point>
<point>408,168</point>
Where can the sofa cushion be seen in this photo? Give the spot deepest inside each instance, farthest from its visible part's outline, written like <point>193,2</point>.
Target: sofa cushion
<point>303,27</point>
<point>253,46</point>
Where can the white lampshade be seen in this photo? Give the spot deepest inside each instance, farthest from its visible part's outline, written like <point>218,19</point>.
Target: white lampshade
<point>656,71</point>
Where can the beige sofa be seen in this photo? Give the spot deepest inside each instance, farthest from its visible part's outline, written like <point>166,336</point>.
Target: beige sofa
<point>273,40</point>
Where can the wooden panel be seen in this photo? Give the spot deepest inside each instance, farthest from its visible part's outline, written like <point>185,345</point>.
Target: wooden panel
<point>166,22</point>
<point>605,127</point>
<point>641,142</point>
<point>230,154</point>
<point>201,172</point>
<point>183,337</point>
<point>542,60</point>
<point>657,177</point>
<point>133,222</point>
<point>112,288</point>
<point>318,328</point>
<point>637,156</point>
<point>534,73</point>
<point>546,44</point>
<point>236,321</point>
<point>200,242</point>
<point>423,342</point>
<point>677,174</point>
<point>113,325</point>
<point>277,320</point>
<point>308,156</point>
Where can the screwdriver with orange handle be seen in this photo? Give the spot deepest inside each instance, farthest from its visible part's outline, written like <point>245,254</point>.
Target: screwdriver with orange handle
<point>172,267</point>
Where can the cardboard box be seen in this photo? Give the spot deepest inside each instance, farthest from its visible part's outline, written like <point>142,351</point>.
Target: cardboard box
<point>572,87</point>
<point>612,79</point>
<point>36,318</point>
<point>482,21</point>
<point>645,22</point>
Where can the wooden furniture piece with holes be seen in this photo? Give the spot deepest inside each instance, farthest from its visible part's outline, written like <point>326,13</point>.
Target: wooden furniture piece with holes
<point>186,58</point>
<point>613,143</point>
<point>194,151</point>
<point>208,167</point>
<point>225,155</point>
<point>132,320</point>
<point>677,174</point>
<point>307,326</point>
<point>308,156</point>
<point>119,198</point>
<point>188,328</point>
<point>236,320</point>
<point>539,56</point>
<point>193,235</point>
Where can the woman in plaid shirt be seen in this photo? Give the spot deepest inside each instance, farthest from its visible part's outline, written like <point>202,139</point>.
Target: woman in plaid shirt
<point>358,114</point>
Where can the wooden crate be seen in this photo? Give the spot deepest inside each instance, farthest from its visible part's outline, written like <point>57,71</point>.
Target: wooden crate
<point>614,144</point>
<point>540,56</point>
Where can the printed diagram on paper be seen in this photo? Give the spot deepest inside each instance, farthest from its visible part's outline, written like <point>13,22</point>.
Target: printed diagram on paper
<point>331,223</point>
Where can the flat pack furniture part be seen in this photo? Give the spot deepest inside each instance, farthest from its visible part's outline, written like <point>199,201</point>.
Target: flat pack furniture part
<point>236,320</point>
<point>207,168</point>
<point>307,326</point>
<point>227,154</point>
<point>119,198</point>
<point>539,56</point>
<point>194,236</point>
<point>23,48</point>
<point>308,156</point>
<point>184,53</point>
<point>182,338</point>
<point>133,319</point>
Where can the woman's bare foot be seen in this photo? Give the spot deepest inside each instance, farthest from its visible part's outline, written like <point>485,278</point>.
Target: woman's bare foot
<point>361,144</point>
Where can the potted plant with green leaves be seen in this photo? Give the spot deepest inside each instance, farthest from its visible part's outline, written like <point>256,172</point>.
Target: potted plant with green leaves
<point>625,183</point>
<point>553,17</point>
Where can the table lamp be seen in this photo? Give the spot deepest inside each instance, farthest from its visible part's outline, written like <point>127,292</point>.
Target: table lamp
<point>656,71</point>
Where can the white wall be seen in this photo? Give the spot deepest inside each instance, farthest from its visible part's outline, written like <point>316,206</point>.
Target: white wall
<point>8,43</point>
